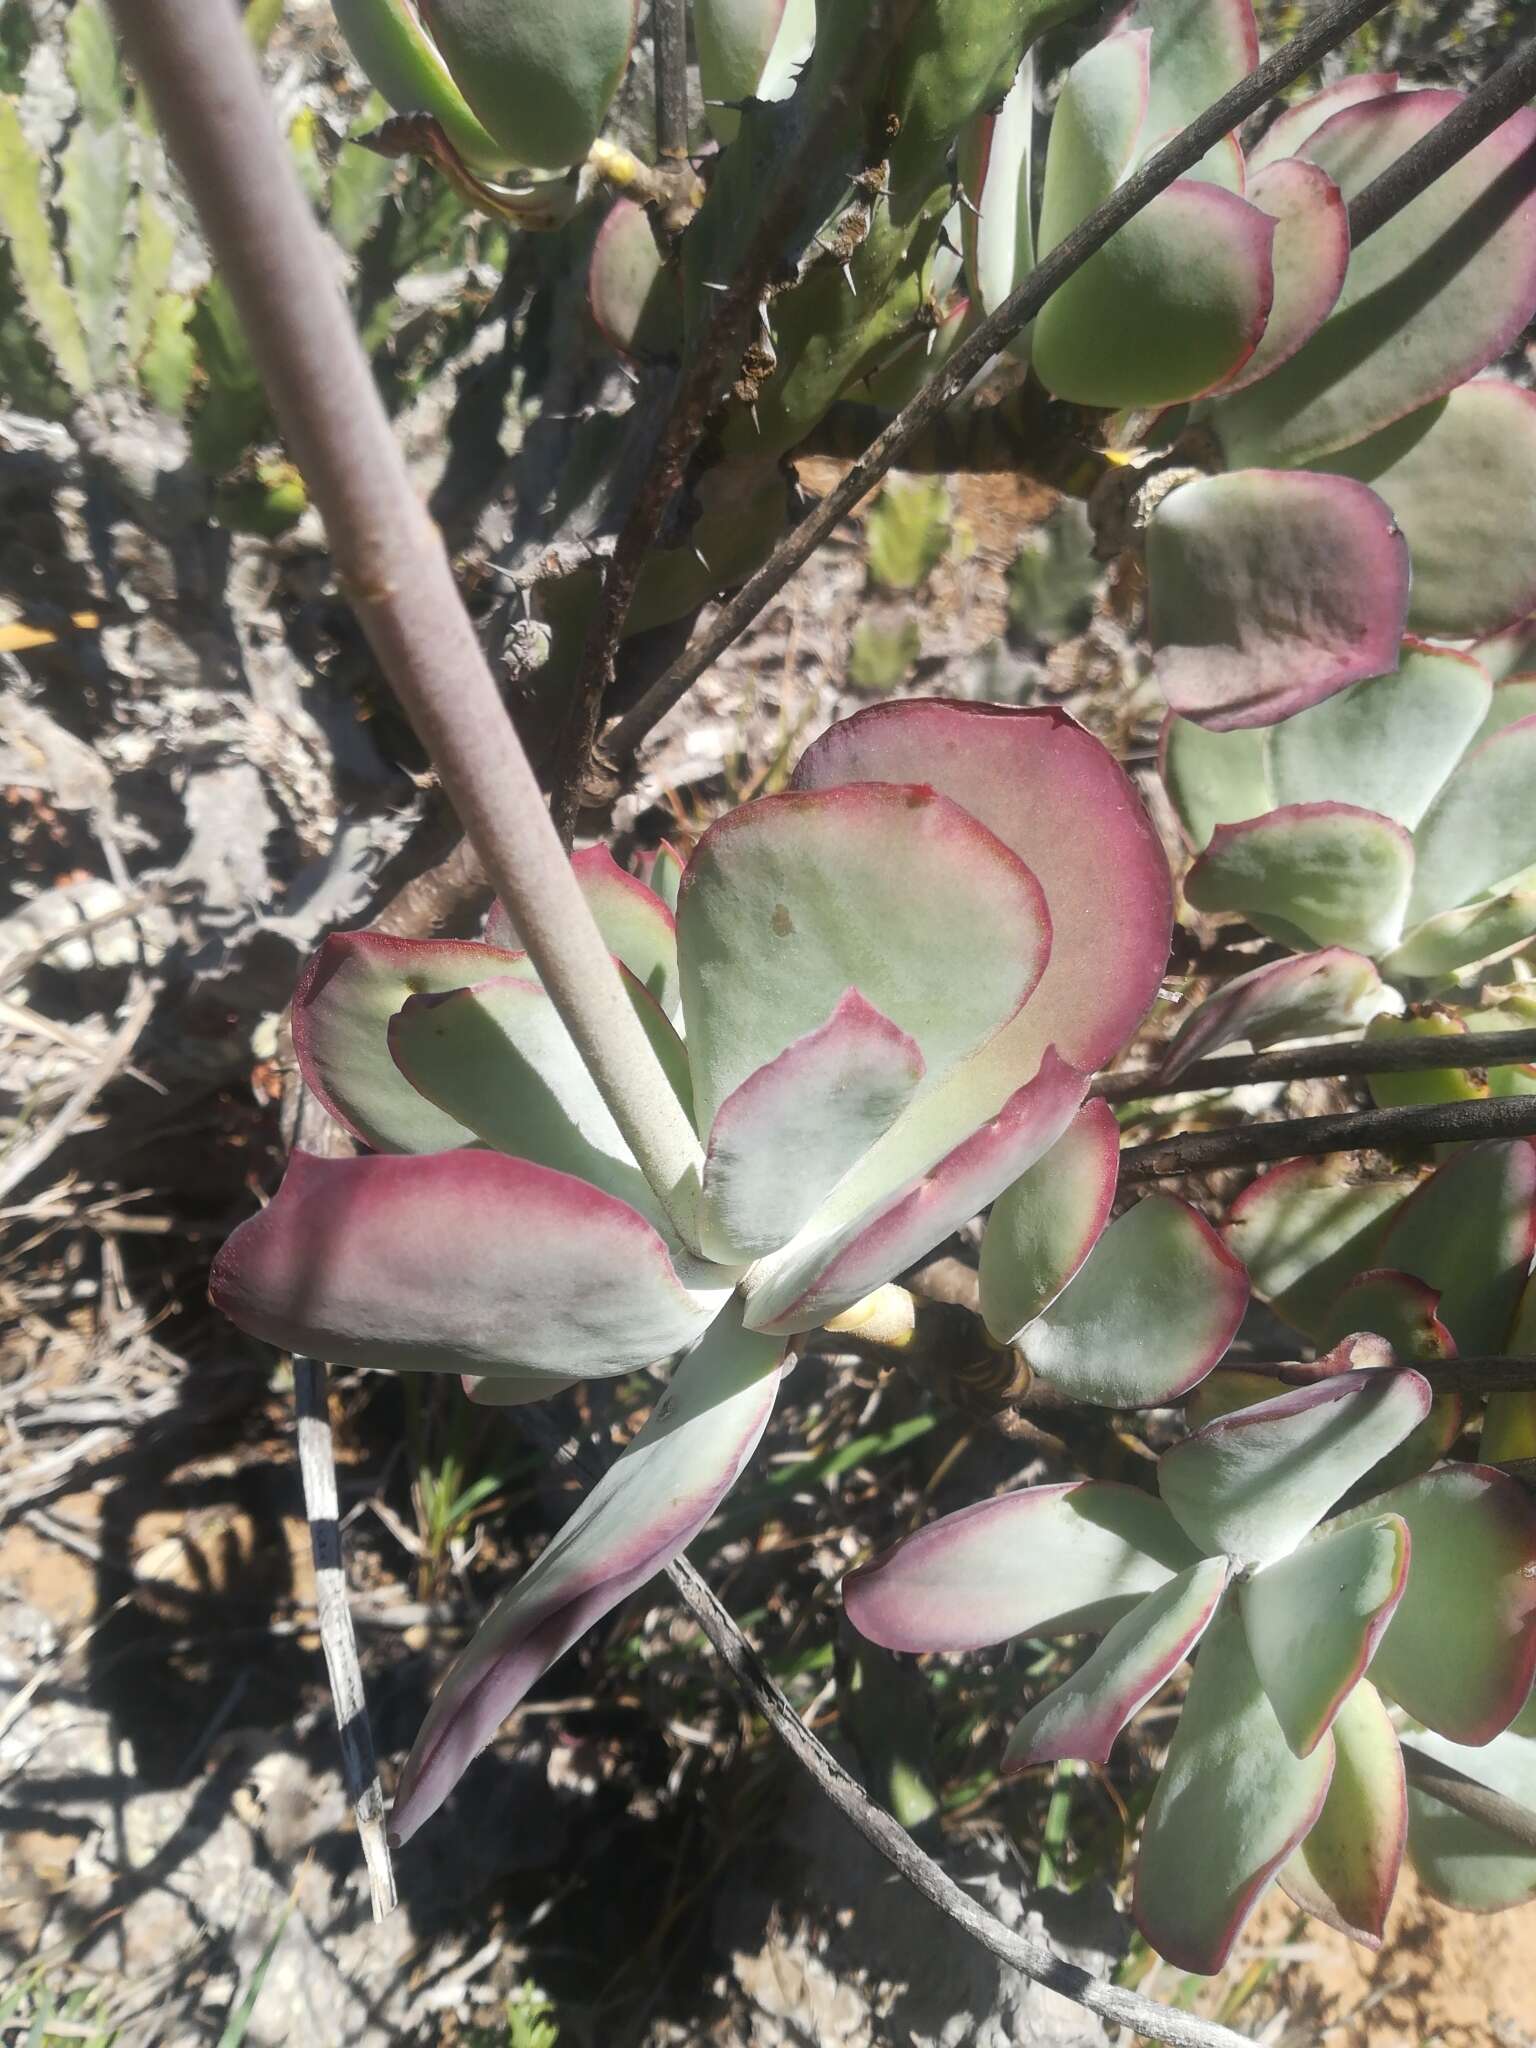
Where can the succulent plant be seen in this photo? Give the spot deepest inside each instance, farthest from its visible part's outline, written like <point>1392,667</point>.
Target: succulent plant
<point>895,979</point>
<point>1389,827</point>
<point>1332,436</point>
<point>1285,1762</point>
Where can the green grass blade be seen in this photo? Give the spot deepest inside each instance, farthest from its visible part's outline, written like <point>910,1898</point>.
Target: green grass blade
<point>238,2024</point>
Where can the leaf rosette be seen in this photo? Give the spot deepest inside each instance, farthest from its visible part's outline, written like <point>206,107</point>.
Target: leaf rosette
<point>1285,1762</point>
<point>881,1000</point>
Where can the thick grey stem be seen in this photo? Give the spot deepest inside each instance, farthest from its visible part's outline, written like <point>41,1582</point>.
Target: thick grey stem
<point>208,99</point>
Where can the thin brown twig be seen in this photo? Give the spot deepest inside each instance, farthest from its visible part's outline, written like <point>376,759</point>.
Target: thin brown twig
<point>669,52</point>
<point>1322,1062</point>
<point>1489,107</point>
<point>1440,1123</point>
<point>1333,24</point>
<point>697,395</point>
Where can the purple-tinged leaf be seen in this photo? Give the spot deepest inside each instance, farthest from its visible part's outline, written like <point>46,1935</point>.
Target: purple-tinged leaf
<point>1294,128</point>
<point>1310,257</point>
<point>1460,1653</point>
<point>1387,744</point>
<point>785,1138</point>
<point>636,925</point>
<point>1310,875</point>
<point>1313,1621</point>
<point>1396,1307</point>
<point>896,1211</point>
<point>1467,1863</point>
<point>1436,294</point>
<point>636,299</point>
<point>1214,778</point>
<point>1269,590</point>
<point>341,1010</point>
<point>1345,1872</point>
<point>1043,1227</point>
<point>1066,807</point>
<point>1470,1231</point>
<point>1316,993</point>
<point>1198,262</point>
<point>1140,1653</point>
<point>1303,1232</point>
<point>499,1060</point>
<point>1402,1312</point>
<point>895,891</point>
<point>1044,1561</point>
<point>1457,475</point>
<point>1232,1804</point>
<point>1097,125</point>
<point>1231,1387</point>
<point>646,1509</point>
<point>1254,1484</point>
<point>1154,1306</point>
<point>465,1262</point>
<point>1479,835</point>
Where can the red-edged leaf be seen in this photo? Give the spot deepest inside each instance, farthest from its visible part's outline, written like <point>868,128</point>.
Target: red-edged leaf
<point>1043,1227</point>
<point>1295,126</point>
<point>1313,1620</point>
<point>1153,1308</point>
<point>1232,1804</point>
<point>646,1509</point>
<point>1345,1872</point>
<point>460,1262</point>
<point>1333,990</point>
<point>636,925</point>
<point>899,1213</point>
<point>1470,1231</point>
<point>1310,874</point>
<point>1044,1561</point>
<point>1310,257</point>
<point>1460,1654</point>
<point>1304,1230</point>
<point>785,1138</point>
<point>895,891</point>
<point>1140,1653</point>
<point>341,1011</point>
<point>1437,293</point>
<point>1254,1484</point>
<point>1066,807</point>
<point>1269,590</point>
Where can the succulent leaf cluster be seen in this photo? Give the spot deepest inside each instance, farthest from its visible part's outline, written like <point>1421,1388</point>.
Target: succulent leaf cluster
<point>1386,834</point>
<point>881,999</point>
<point>1285,1760</point>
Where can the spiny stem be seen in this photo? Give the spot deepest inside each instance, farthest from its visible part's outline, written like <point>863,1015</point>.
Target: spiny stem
<point>1323,1062</point>
<point>1440,1123</point>
<point>697,394</point>
<point>281,272</point>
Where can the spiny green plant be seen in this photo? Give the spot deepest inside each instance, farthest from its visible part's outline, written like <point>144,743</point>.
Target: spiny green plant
<point>93,256</point>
